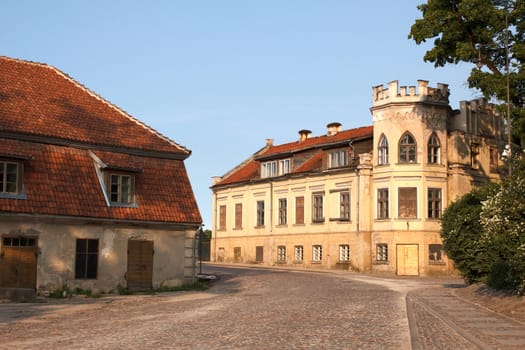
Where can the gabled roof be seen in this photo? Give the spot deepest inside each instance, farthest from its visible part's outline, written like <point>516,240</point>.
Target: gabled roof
<point>67,138</point>
<point>311,148</point>
<point>40,100</point>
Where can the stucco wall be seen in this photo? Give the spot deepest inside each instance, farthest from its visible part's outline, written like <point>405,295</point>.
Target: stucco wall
<point>172,259</point>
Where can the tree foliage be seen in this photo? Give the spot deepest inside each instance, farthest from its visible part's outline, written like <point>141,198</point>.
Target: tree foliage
<point>461,231</point>
<point>479,32</point>
<point>503,220</point>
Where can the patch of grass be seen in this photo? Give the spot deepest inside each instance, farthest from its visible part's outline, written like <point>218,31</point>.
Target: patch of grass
<point>198,286</point>
<point>123,290</point>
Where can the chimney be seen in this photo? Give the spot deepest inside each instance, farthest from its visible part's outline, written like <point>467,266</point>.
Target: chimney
<point>333,128</point>
<point>304,134</point>
<point>269,142</point>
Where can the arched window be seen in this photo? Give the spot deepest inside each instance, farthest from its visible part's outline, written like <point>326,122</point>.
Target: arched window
<point>407,149</point>
<point>434,150</point>
<point>383,151</point>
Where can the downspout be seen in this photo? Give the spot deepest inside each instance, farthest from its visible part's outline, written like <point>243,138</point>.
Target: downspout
<point>214,226</point>
<point>358,198</point>
<point>271,206</point>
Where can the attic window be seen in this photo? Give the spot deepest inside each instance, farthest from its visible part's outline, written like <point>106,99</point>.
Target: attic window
<point>121,189</point>
<point>11,174</point>
<point>338,158</point>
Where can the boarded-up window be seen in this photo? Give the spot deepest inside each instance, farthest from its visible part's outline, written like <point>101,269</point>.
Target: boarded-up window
<point>238,215</point>
<point>299,210</point>
<point>407,202</point>
<point>259,254</point>
<point>222,217</point>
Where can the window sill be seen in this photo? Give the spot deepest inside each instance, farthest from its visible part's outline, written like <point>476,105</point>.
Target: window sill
<point>13,195</point>
<point>382,219</point>
<point>261,226</point>
<point>340,220</point>
<point>281,262</point>
<point>237,228</point>
<point>381,262</point>
<point>315,262</point>
<point>318,222</point>
<point>298,261</point>
<point>123,205</point>
<point>437,263</point>
<point>407,219</point>
<point>343,262</point>
<point>282,226</point>
<point>299,224</point>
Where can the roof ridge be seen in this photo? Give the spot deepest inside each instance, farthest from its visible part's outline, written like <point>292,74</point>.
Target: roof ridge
<point>101,99</point>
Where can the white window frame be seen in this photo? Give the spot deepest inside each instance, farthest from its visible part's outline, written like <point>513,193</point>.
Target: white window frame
<point>382,158</point>
<point>281,253</point>
<point>5,182</point>
<point>298,253</point>
<point>344,252</point>
<point>284,167</point>
<point>269,169</point>
<point>381,252</point>
<point>124,192</point>
<point>338,158</point>
<point>317,253</point>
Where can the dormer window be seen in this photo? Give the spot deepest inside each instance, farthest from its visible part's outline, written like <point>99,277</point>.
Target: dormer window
<point>407,149</point>
<point>338,159</point>
<point>284,166</point>
<point>275,168</point>
<point>10,177</point>
<point>269,169</point>
<point>121,189</point>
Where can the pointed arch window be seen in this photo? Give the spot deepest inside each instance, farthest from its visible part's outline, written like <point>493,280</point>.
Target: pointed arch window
<point>434,150</point>
<point>383,151</point>
<point>407,149</point>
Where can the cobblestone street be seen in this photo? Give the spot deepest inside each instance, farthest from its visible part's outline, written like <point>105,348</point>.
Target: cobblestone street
<point>266,309</point>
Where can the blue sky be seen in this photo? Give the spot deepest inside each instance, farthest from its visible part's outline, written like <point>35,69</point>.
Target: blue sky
<point>221,76</point>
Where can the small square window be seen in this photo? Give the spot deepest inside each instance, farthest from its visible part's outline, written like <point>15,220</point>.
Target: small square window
<point>382,252</point>
<point>344,252</point>
<point>121,189</point>
<point>435,253</point>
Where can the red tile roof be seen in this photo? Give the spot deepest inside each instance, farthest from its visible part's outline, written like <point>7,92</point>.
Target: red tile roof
<point>61,180</point>
<point>38,99</point>
<point>250,170</point>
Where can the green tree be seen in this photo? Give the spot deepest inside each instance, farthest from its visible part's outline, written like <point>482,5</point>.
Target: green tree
<point>503,220</point>
<point>461,231</point>
<point>480,32</point>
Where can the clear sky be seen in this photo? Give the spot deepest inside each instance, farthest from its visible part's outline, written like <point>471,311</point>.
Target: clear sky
<point>221,76</point>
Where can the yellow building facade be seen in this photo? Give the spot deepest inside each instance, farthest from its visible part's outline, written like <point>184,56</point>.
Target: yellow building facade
<point>365,199</point>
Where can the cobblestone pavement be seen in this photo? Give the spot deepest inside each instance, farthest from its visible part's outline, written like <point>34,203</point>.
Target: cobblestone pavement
<point>263,309</point>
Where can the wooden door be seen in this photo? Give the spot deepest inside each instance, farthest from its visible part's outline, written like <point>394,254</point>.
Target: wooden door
<point>140,265</point>
<point>407,259</point>
<point>18,262</point>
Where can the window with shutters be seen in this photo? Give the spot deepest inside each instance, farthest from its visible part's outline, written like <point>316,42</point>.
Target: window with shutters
<point>222,217</point>
<point>283,211</point>
<point>86,259</point>
<point>238,215</point>
<point>407,202</point>
<point>299,210</point>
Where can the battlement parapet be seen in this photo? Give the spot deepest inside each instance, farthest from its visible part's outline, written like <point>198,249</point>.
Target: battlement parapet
<point>422,93</point>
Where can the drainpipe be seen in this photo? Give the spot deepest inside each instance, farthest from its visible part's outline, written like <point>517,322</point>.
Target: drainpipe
<point>271,206</point>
